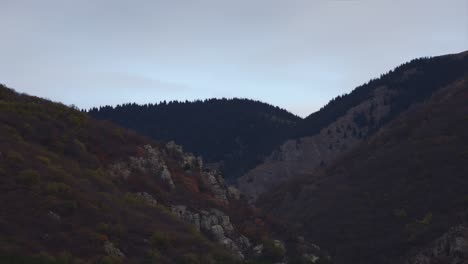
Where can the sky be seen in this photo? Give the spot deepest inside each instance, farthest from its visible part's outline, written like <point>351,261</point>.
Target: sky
<point>296,54</point>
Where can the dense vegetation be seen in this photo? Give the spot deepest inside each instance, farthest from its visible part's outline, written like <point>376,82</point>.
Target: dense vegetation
<point>403,188</point>
<point>413,81</point>
<point>240,133</point>
<point>61,203</point>
<point>236,132</point>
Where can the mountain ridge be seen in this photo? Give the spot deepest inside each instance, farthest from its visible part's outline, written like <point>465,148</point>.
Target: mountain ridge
<point>347,120</point>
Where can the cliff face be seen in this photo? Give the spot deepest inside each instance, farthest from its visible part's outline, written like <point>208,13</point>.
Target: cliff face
<point>349,120</point>
<point>303,156</point>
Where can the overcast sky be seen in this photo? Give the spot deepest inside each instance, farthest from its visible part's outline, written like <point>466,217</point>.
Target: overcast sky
<point>296,54</point>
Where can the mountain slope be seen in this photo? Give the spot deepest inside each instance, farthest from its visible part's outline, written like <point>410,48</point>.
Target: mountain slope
<point>401,188</point>
<point>348,120</point>
<point>237,132</point>
<point>77,190</point>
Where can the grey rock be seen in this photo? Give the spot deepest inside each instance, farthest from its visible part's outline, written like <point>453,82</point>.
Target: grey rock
<point>167,177</point>
<point>187,216</point>
<point>218,232</point>
<point>310,258</point>
<point>258,250</point>
<point>54,216</point>
<point>148,198</point>
<point>243,242</point>
<point>218,225</point>
<point>112,250</point>
<point>234,193</point>
<point>451,248</point>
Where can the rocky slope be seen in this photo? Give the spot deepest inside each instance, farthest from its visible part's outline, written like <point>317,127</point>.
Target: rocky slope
<point>401,188</point>
<point>450,248</point>
<point>77,190</point>
<point>349,120</point>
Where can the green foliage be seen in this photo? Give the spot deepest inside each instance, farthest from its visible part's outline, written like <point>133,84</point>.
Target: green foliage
<point>58,189</point>
<point>12,133</point>
<point>42,258</point>
<point>110,260</point>
<point>99,178</point>
<point>14,159</point>
<point>400,213</point>
<point>76,119</point>
<point>161,241</point>
<point>132,198</point>
<point>66,207</point>
<point>271,251</point>
<point>28,177</point>
<point>427,219</point>
<point>222,257</point>
<point>153,256</point>
<point>419,227</point>
<point>188,258</point>
<point>59,174</point>
<point>44,160</point>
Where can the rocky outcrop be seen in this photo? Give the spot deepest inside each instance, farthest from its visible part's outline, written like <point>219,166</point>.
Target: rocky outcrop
<point>112,250</point>
<point>150,162</point>
<point>147,198</point>
<point>216,224</point>
<point>215,183</point>
<point>187,161</point>
<point>211,177</point>
<point>450,248</point>
<point>304,156</point>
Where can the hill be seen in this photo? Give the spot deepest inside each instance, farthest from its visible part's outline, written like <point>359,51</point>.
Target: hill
<point>401,188</point>
<point>77,190</point>
<point>348,120</point>
<point>235,133</point>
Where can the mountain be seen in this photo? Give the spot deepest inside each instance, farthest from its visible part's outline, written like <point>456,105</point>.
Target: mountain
<point>235,133</point>
<point>385,199</point>
<point>78,190</point>
<point>349,120</point>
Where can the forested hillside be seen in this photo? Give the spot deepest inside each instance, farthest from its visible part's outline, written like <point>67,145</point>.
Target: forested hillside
<point>235,133</point>
<point>347,121</point>
<point>77,190</point>
<point>398,191</point>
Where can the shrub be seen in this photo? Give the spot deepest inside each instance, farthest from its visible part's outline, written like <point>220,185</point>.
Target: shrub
<point>58,189</point>
<point>14,158</point>
<point>400,213</point>
<point>28,177</point>
<point>188,258</point>
<point>67,207</point>
<point>44,160</point>
<point>59,174</point>
<point>99,178</point>
<point>42,258</point>
<point>271,251</point>
<point>153,256</point>
<point>131,198</point>
<point>222,256</point>
<point>110,260</point>
<point>160,241</point>
<point>418,228</point>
